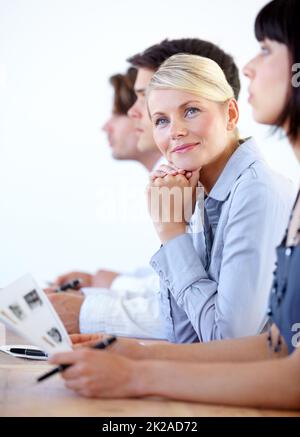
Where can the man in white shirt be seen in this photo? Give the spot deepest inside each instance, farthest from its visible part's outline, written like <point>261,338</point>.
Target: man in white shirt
<point>130,305</point>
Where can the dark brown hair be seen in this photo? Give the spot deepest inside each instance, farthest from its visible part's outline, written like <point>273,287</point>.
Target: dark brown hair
<point>124,95</point>
<point>155,55</point>
<point>279,21</point>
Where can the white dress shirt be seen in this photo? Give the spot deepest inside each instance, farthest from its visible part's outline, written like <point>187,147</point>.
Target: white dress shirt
<point>131,307</point>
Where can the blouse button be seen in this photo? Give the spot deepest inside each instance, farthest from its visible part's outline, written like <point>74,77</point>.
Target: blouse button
<point>288,251</point>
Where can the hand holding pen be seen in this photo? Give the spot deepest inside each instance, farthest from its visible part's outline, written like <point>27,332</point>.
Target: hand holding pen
<point>101,345</point>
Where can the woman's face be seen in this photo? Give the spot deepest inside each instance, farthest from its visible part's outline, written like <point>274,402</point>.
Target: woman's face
<point>190,131</point>
<point>270,81</point>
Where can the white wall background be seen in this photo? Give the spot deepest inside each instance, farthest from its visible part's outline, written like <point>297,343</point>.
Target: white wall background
<point>55,58</point>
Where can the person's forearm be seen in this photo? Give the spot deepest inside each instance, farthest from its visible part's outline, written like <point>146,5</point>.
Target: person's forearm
<point>115,314</point>
<point>269,384</point>
<point>243,349</point>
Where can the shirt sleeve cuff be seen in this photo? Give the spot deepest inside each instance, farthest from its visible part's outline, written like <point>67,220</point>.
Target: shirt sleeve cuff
<point>93,313</point>
<point>178,265</point>
<point>139,285</point>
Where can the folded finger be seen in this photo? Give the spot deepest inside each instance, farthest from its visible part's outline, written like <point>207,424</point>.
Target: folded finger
<point>78,339</point>
<point>158,174</point>
<point>168,169</point>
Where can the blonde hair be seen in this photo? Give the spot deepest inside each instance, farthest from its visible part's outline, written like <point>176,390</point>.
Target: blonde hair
<point>194,74</point>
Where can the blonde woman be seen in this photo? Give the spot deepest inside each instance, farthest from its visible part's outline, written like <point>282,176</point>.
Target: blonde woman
<point>214,283</point>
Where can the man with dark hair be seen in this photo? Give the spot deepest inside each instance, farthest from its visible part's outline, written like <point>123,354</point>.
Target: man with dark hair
<point>138,313</point>
<point>122,136</point>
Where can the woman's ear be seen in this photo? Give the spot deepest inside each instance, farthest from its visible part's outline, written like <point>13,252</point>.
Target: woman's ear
<point>232,114</point>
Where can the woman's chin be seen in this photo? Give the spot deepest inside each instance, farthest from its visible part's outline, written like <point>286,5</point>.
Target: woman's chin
<point>188,166</point>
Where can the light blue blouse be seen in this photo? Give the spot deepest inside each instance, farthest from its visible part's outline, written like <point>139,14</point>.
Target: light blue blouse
<point>215,283</point>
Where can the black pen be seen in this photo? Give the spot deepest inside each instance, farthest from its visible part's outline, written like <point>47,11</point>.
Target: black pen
<point>27,352</point>
<point>72,285</point>
<point>102,345</point>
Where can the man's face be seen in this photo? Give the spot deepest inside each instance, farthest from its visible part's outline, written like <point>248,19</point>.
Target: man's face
<point>139,113</point>
<point>122,137</point>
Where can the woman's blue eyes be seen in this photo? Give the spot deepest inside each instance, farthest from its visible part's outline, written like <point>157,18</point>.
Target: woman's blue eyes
<point>160,121</point>
<point>188,112</point>
<point>191,111</point>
